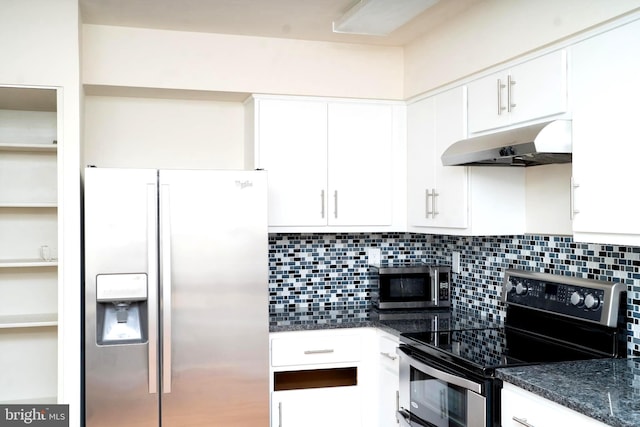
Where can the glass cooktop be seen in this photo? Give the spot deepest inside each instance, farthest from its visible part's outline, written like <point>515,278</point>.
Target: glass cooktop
<point>489,348</point>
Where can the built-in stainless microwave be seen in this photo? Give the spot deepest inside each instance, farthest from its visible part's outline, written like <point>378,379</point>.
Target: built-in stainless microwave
<point>410,286</point>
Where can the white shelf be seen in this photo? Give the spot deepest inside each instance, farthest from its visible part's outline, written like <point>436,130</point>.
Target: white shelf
<point>28,205</point>
<point>44,400</point>
<point>28,147</point>
<point>16,263</point>
<point>28,320</point>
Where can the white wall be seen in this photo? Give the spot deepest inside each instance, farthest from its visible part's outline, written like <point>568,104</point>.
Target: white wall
<point>494,31</point>
<point>39,47</point>
<point>163,133</point>
<point>120,56</point>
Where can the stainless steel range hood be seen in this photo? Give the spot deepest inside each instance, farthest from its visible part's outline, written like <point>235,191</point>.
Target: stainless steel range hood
<point>539,144</point>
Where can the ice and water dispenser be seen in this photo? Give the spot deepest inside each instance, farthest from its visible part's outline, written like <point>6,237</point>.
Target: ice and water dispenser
<point>122,309</point>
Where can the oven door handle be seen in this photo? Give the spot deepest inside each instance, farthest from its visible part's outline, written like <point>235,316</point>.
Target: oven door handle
<point>412,421</point>
<point>441,375</point>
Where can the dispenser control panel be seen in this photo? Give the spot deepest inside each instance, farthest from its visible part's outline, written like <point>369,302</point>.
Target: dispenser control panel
<point>121,287</point>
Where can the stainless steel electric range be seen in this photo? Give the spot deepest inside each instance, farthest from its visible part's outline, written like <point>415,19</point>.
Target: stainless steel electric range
<point>447,372</point>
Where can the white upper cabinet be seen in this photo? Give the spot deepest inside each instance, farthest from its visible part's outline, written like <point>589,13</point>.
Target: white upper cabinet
<point>293,149</point>
<point>605,89</point>
<point>360,147</point>
<point>437,194</point>
<point>331,163</point>
<point>456,199</point>
<point>533,90</point>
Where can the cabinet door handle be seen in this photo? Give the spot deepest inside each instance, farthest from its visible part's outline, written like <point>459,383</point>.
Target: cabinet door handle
<point>572,199</point>
<point>522,421</point>
<point>500,87</point>
<point>388,355</point>
<point>322,203</point>
<point>510,84</point>
<point>434,205</point>
<point>279,414</point>
<point>323,351</point>
<point>335,204</point>
<point>427,194</point>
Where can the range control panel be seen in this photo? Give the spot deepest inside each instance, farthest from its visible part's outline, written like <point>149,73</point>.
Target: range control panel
<point>584,299</point>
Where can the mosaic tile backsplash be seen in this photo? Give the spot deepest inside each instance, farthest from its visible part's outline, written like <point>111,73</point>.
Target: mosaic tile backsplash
<point>329,271</point>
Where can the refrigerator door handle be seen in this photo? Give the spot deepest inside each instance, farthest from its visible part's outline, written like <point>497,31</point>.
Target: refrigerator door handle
<point>165,260</point>
<point>152,286</point>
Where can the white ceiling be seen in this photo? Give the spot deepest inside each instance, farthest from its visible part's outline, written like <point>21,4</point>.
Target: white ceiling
<point>294,19</point>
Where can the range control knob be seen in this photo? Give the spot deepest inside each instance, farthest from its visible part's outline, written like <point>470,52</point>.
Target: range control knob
<point>591,301</point>
<point>577,299</point>
<point>522,288</point>
<point>510,287</point>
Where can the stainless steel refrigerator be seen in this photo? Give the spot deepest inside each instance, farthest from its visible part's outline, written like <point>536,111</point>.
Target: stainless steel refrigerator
<point>176,298</point>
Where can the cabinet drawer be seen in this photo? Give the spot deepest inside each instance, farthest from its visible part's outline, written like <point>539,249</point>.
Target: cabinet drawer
<point>310,350</point>
<point>521,407</point>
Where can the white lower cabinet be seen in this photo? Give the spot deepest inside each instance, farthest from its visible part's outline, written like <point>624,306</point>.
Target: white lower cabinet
<point>388,379</point>
<point>336,377</point>
<point>521,408</point>
<point>318,377</point>
<point>319,407</point>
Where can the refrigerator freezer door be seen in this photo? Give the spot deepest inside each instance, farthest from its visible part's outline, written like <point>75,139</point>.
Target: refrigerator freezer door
<point>215,335</point>
<point>120,212</point>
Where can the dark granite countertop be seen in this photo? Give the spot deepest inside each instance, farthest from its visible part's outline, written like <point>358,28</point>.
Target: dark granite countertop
<point>313,319</point>
<point>392,321</point>
<point>607,390</point>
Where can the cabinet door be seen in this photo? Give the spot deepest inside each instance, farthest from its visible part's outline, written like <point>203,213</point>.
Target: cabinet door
<point>538,88</point>
<point>360,165</point>
<point>433,124</point>
<point>520,406</point>
<point>532,90</point>
<point>449,204</point>
<point>421,160</point>
<point>292,139</point>
<point>335,406</point>
<point>389,374</point>
<point>605,90</point>
<point>487,103</point>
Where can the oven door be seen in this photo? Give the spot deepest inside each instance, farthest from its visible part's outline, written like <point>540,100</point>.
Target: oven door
<point>434,397</point>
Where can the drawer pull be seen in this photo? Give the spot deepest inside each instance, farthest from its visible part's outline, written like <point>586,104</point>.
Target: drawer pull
<point>389,355</point>
<point>325,351</point>
<point>522,421</point>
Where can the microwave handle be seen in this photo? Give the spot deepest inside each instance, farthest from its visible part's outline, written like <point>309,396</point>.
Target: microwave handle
<point>441,375</point>
<point>434,287</point>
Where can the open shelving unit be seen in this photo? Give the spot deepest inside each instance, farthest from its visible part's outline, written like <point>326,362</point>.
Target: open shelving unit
<point>28,247</point>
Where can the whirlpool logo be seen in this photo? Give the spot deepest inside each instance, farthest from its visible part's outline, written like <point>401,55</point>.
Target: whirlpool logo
<point>244,184</point>
<point>36,415</point>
